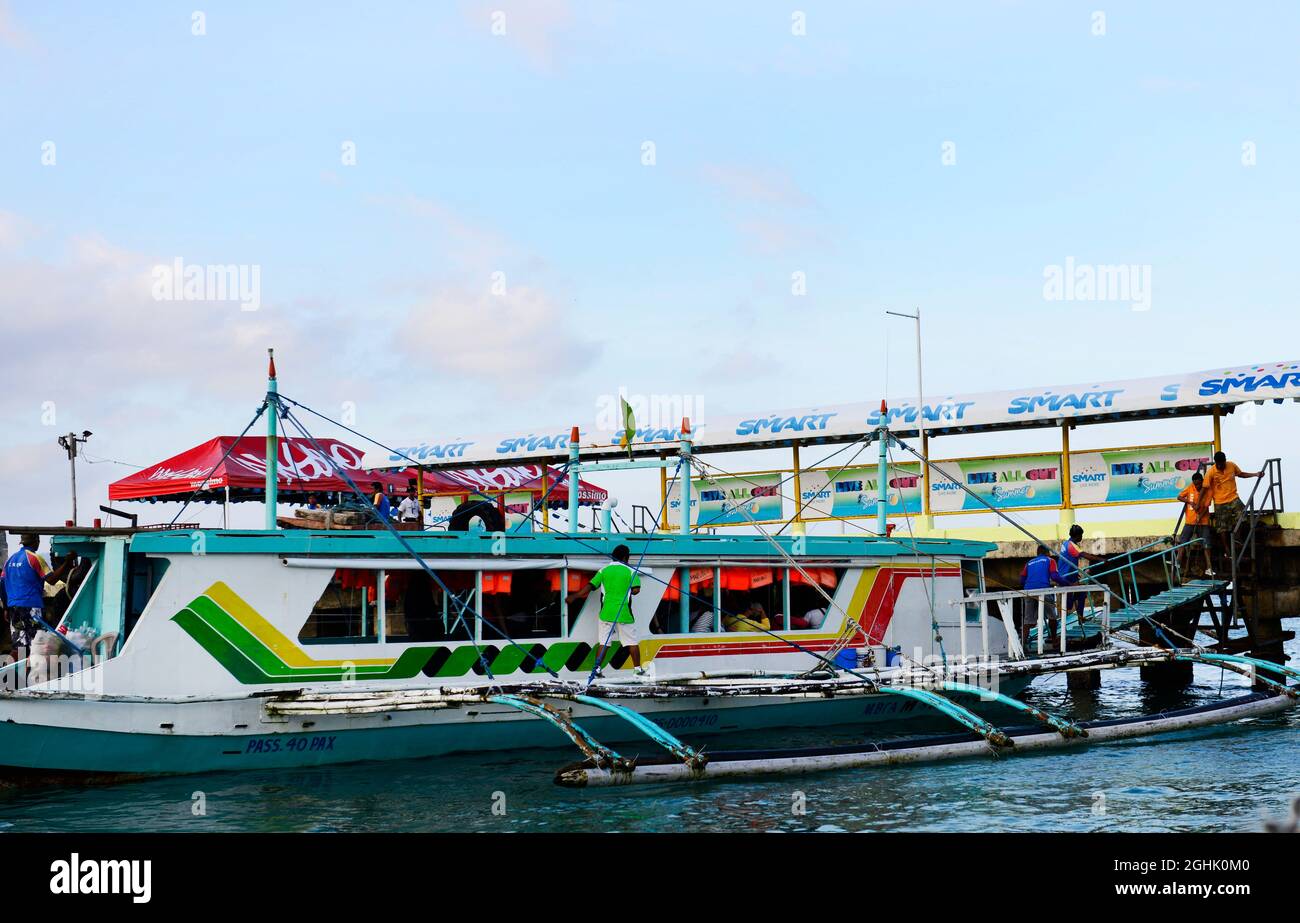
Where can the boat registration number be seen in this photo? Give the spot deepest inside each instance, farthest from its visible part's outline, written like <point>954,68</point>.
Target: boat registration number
<point>278,744</point>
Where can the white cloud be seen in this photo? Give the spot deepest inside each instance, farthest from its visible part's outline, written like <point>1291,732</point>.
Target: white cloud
<point>769,209</point>
<point>753,186</point>
<point>515,341</point>
<point>11,34</point>
<point>538,29</point>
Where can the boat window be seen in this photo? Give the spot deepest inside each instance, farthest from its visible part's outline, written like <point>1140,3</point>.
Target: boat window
<point>808,590</point>
<point>700,617</point>
<point>522,603</point>
<point>346,611</point>
<point>434,614</point>
<point>752,598</point>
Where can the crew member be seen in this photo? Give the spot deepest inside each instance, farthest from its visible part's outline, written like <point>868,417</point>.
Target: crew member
<point>1069,568</point>
<point>1196,522</point>
<point>618,583</point>
<point>1039,573</point>
<point>1221,482</point>
<point>383,508</point>
<point>409,509</point>
<point>25,577</point>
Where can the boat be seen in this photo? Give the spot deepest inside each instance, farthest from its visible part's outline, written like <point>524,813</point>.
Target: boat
<point>220,649</point>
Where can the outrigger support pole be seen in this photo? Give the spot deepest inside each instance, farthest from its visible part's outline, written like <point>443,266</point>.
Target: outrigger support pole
<point>689,755</point>
<point>994,735</point>
<point>594,750</point>
<point>1247,667</point>
<point>1065,728</point>
<point>1267,666</point>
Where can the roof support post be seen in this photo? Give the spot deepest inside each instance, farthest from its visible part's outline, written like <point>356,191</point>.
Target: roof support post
<point>272,444</point>
<point>574,459</point>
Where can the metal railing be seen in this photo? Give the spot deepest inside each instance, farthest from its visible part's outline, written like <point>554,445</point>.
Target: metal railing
<point>1255,507</point>
<point>1015,641</point>
<point>644,519</point>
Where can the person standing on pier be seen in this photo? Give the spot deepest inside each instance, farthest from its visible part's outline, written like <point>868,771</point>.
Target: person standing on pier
<point>1196,522</point>
<point>24,579</point>
<point>618,583</point>
<point>1221,482</point>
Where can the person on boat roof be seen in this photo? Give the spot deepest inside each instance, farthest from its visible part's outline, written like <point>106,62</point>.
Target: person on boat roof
<point>380,502</point>
<point>1196,522</point>
<point>23,583</point>
<point>1221,482</point>
<point>618,583</point>
<point>409,509</point>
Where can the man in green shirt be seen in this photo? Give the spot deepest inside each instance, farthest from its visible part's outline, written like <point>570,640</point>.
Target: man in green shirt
<point>618,583</point>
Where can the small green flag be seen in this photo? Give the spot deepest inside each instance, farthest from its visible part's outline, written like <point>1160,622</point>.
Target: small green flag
<point>629,426</point>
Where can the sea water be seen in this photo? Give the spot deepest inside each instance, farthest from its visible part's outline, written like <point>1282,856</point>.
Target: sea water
<point>1217,779</point>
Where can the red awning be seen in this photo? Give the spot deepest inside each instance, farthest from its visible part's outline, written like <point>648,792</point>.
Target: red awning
<point>304,468</point>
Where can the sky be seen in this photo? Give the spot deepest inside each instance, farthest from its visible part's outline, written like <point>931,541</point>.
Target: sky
<point>482,217</point>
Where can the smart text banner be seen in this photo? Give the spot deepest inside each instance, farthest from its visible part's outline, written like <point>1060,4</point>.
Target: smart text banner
<point>1135,475</point>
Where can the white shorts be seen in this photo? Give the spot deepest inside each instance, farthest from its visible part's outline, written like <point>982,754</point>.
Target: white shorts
<point>624,633</point>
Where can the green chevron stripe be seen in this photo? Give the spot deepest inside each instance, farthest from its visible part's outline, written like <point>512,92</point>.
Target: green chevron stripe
<point>251,662</point>
<point>263,657</point>
<point>222,650</point>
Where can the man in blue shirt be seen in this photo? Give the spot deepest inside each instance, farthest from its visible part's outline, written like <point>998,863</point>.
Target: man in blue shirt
<point>23,584</point>
<point>1039,573</point>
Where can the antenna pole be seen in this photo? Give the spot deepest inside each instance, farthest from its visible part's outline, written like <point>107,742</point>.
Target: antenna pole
<point>272,443</point>
<point>882,474</point>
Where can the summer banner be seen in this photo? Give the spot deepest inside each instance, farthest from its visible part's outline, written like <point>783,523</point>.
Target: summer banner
<point>732,501</point>
<point>1011,482</point>
<point>852,492</point>
<point>1135,475</point>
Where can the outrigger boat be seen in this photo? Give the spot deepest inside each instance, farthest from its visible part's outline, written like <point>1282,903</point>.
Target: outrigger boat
<point>221,649</point>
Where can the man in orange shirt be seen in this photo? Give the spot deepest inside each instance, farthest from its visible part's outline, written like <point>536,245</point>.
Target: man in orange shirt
<point>1196,522</point>
<point>1221,482</point>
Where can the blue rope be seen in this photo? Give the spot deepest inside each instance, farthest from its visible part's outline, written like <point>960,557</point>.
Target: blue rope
<point>546,468</point>
<point>460,620</point>
<point>576,537</point>
<point>596,664</point>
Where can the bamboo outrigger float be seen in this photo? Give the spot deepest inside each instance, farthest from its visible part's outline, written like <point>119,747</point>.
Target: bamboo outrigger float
<point>223,649</point>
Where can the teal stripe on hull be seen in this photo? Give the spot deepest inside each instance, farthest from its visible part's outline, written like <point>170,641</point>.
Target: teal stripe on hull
<point>28,747</point>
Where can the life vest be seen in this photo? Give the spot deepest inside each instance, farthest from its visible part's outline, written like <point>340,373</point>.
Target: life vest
<point>25,580</point>
<point>1038,573</point>
<point>1069,562</point>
